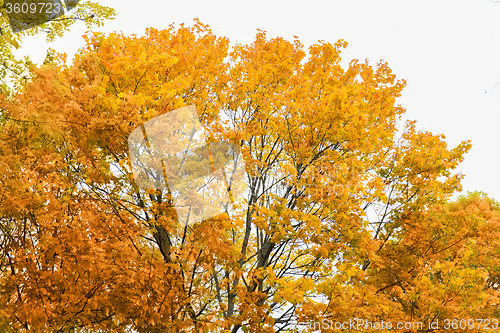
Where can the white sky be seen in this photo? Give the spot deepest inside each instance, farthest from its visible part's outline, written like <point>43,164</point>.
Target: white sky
<point>447,51</point>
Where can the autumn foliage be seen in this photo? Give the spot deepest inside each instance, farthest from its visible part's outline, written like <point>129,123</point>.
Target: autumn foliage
<point>345,218</point>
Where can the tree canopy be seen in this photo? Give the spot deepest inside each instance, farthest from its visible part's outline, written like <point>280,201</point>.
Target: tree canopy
<point>343,218</point>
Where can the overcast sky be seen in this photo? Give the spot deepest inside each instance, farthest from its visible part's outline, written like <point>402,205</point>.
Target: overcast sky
<point>447,51</point>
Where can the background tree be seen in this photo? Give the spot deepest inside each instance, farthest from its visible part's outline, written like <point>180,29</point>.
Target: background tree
<point>456,271</point>
<point>85,247</point>
<point>437,264</point>
<point>15,70</point>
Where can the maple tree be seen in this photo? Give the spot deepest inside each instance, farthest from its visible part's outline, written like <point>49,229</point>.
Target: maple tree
<point>85,248</point>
